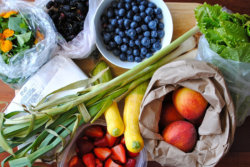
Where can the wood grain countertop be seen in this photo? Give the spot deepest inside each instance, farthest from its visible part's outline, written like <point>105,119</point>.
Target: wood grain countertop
<point>239,154</point>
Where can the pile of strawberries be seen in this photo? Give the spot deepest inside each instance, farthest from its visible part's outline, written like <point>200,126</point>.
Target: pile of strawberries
<point>97,148</point>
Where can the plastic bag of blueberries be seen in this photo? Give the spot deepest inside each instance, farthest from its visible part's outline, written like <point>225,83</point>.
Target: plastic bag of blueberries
<point>74,22</point>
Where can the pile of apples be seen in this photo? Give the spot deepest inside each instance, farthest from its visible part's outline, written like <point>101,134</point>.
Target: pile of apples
<point>182,112</point>
<point>97,148</point>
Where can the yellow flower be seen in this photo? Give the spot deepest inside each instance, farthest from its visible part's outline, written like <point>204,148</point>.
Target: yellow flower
<point>39,37</point>
<point>8,33</point>
<point>10,13</point>
<point>6,46</point>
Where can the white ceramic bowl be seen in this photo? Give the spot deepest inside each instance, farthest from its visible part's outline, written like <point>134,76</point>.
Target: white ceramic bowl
<point>167,20</point>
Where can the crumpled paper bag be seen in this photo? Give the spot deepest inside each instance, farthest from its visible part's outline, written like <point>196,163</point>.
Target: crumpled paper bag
<point>217,128</point>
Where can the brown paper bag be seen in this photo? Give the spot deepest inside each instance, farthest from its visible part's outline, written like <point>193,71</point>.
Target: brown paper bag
<point>217,128</point>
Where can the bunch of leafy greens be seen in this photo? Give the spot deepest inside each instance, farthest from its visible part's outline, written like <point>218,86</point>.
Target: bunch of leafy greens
<point>22,39</point>
<point>227,34</point>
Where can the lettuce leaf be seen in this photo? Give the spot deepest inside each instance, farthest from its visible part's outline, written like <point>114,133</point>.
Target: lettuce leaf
<point>227,34</point>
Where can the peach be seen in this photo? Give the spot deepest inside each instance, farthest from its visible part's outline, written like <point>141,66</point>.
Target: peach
<point>169,114</point>
<point>181,134</point>
<point>189,103</point>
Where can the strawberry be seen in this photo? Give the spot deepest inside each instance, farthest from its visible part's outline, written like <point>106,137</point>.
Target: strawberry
<point>119,153</point>
<point>98,163</point>
<point>130,163</point>
<point>110,163</point>
<point>132,155</point>
<point>94,131</point>
<point>111,140</point>
<point>122,140</point>
<point>103,142</point>
<point>89,160</point>
<point>84,146</point>
<point>102,153</point>
<point>75,162</point>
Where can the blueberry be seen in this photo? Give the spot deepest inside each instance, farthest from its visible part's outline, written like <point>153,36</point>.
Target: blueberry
<point>146,34</point>
<point>124,48</point>
<point>142,8</point>
<point>128,1</point>
<point>108,48</point>
<point>110,13</point>
<point>145,3</point>
<point>127,23</point>
<point>112,44</point>
<point>120,22</point>
<point>144,51</point>
<point>152,24</point>
<point>144,27</point>
<point>148,55</point>
<point>113,22</point>
<point>130,14</point>
<point>127,6</point>
<point>157,46</point>
<point>159,16</point>
<point>158,11</point>
<point>106,36</point>
<point>161,34</point>
<point>149,11</point>
<point>125,40</point>
<point>114,4</point>
<point>138,30</point>
<point>154,34</point>
<point>137,18</point>
<point>110,28</point>
<point>145,41</point>
<point>129,51</point>
<point>130,58</point>
<point>123,57</point>
<point>116,52</point>
<point>136,52</point>
<point>131,43</point>
<point>151,5</point>
<point>152,40</point>
<point>118,39</point>
<point>147,19</point>
<point>138,59</point>
<point>135,9</point>
<point>120,5</point>
<point>137,42</point>
<point>140,37</point>
<point>143,14</point>
<point>161,26</point>
<point>122,12</point>
<point>117,30</point>
<point>133,24</point>
<point>66,8</point>
<point>131,33</point>
<point>121,34</point>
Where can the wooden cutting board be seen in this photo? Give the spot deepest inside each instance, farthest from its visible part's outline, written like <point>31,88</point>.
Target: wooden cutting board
<point>183,20</point>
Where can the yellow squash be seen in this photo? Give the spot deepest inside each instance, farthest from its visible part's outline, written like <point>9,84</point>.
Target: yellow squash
<point>132,135</point>
<point>113,118</point>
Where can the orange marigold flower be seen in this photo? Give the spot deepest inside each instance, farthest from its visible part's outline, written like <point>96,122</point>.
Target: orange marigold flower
<point>2,14</point>
<point>6,46</point>
<point>10,13</point>
<point>1,36</point>
<point>8,33</point>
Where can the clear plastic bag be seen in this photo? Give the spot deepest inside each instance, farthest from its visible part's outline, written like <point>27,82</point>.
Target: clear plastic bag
<point>84,43</point>
<point>25,63</point>
<point>237,76</point>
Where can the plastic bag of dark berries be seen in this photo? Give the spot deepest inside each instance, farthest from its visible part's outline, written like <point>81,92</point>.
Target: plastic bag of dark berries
<point>74,20</point>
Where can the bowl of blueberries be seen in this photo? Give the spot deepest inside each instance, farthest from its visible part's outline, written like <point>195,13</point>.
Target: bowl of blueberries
<point>130,31</point>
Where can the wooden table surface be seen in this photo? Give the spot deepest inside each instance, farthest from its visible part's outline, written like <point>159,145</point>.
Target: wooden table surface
<point>239,155</point>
